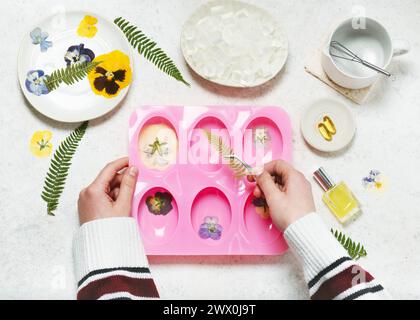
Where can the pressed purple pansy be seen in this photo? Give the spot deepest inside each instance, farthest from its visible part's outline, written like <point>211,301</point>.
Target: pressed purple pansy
<point>261,207</point>
<point>78,53</point>
<point>210,229</point>
<point>35,82</point>
<point>40,37</point>
<point>160,203</point>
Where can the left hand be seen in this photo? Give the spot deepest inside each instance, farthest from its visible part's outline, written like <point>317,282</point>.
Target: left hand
<point>111,193</point>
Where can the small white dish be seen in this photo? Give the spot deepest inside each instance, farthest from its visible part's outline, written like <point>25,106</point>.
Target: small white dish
<point>342,118</point>
<point>77,102</point>
<point>234,43</point>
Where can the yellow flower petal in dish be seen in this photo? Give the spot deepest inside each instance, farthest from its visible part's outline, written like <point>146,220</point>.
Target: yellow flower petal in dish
<point>112,75</point>
<point>87,27</point>
<point>40,144</point>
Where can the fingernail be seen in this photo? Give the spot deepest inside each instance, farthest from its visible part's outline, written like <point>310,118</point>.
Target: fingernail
<point>133,171</point>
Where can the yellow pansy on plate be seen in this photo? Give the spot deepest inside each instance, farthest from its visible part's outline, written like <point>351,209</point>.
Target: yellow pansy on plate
<point>40,144</point>
<point>112,75</point>
<point>70,40</point>
<point>87,27</point>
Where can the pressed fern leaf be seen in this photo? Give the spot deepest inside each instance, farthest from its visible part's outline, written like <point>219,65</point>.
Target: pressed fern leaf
<point>355,251</point>
<point>59,168</point>
<point>69,75</point>
<point>148,49</point>
<point>218,144</point>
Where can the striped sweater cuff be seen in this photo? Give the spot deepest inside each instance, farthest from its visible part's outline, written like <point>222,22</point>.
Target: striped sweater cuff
<point>108,243</point>
<point>329,271</point>
<point>117,284</point>
<point>314,245</point>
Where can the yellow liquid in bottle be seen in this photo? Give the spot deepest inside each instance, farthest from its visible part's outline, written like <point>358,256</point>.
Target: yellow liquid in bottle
<point>341,202</point>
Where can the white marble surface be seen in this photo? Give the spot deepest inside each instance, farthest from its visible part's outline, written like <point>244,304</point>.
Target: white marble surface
<point>35,250</point>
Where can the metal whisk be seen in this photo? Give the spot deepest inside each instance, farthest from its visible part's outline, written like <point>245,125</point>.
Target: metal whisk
<point>347,54</point>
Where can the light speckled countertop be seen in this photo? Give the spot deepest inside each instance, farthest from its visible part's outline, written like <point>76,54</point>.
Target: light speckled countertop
<point>35,250</point>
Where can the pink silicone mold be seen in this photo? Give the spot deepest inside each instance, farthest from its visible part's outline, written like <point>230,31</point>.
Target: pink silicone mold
<point>208,189</point>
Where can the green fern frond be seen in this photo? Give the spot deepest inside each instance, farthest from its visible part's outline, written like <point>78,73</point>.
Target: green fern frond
<point>148,49</point>
<point>69,75</point>
<point>355,251</point>
<point>59,168</point>
<point>218,144</point>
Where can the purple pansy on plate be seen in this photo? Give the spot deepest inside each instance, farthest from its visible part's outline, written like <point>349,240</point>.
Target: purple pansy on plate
<point>35,82</point>
<point>210,229</point>
<point>78,53</point>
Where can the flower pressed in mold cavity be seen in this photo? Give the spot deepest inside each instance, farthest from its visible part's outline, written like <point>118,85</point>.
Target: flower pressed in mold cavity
<point>78,54</point>
<point>159,150</point>
<point>210,229</point>
<point>35,82</point>
<point>261,136</point>
<point>160,203</point>
<point>40,144</point>
<point>261,207</point>
<point>87,27</point>
<point>158,146</point>
<point>40,37</point>
<point>112,75</point>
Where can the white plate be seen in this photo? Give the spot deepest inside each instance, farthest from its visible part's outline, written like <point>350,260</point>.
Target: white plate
<point>77,102</point>
<point>341,116</point>
<point>234,44</point>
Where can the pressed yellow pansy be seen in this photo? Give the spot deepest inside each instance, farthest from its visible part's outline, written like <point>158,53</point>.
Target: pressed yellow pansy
<point>112,75</point>
<point>87,27</point>
<point>40,144</point>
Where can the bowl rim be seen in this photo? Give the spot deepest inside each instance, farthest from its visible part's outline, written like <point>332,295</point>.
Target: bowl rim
<point>385,32</point>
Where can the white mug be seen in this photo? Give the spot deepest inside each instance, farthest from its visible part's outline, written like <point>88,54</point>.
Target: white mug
<point>370,42</point>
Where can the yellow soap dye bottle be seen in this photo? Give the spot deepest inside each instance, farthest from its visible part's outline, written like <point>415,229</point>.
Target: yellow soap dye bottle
<point>338,197</point>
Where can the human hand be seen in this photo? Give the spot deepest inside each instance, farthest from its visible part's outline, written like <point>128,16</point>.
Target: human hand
<point>287,192</point>
<point>110,194</point>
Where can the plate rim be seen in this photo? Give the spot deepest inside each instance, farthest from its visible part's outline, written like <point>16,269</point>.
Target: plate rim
<point>56,117</point>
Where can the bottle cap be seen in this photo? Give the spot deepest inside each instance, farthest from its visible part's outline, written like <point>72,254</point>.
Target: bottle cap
<point>323,179</point>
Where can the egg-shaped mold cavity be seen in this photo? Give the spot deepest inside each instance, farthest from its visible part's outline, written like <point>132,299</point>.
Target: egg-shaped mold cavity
<point>207,139</point>
<point>260,228</point>
<point>158,216</point>
<point>157,144</point>
<point>211,215</point>
<point>262,142</point>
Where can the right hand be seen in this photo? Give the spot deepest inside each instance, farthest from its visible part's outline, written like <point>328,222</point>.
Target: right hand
<point>287,192</point>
